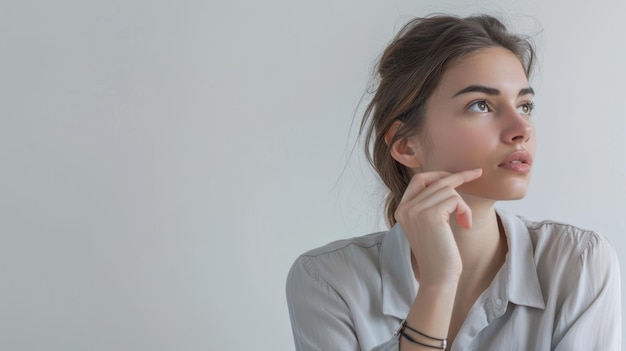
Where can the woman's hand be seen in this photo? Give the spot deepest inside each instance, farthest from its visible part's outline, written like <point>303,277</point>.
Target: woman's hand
<point>424,215</point>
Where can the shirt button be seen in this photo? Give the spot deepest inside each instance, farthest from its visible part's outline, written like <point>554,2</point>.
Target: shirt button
<point>499,302</point>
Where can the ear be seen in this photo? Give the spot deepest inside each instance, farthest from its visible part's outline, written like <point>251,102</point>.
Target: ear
<point>406,150</point>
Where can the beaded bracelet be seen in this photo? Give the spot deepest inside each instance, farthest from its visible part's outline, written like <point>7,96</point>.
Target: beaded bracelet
<point>400,330</point>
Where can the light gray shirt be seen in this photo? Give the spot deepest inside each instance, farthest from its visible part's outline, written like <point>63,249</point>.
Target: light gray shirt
<point>559,289</point>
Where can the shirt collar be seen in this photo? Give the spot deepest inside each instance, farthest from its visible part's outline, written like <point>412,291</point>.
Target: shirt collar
<point>518,275</point>
<point>398,281</point>
<point>522,286</point>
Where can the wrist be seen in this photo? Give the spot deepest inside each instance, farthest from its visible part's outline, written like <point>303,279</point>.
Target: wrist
<point>442,284</point>
<point>432,308</point>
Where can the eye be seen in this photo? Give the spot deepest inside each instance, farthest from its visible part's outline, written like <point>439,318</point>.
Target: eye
<point>526,108</point>
<point>479,106</point>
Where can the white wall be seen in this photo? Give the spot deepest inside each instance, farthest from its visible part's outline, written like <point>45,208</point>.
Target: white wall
<point>163,163</point>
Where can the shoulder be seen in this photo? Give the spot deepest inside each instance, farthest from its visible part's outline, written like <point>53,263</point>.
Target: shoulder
<point>339,264</point>
<point>570,256</point>
<point>353,244</point>
<point>341,254</point>
<point>560,238</point>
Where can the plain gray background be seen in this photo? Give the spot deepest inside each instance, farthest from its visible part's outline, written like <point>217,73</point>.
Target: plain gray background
<point>164,162</point>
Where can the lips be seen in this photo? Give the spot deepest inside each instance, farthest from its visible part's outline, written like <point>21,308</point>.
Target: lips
<point>518,161</point>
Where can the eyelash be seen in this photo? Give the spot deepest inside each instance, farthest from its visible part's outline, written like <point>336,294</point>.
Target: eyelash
<point>530,105</point>
<point>479,102</point>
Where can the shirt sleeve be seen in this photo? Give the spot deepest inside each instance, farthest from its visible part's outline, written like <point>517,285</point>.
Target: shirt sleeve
<point>320,318</point>
<point>590,317</point>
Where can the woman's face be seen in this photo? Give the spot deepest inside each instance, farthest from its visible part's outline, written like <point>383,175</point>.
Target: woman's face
<point>479,117</point>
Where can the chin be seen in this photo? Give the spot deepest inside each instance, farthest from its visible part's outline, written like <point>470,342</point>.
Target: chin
<point>493,196</point>
<point>513,197</point>
<point>508,194</point>
<point>505,191</point>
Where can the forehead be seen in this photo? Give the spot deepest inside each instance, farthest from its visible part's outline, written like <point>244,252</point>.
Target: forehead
<point>493,67</point>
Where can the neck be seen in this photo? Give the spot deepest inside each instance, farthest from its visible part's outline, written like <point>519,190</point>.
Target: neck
<point>482,247</point>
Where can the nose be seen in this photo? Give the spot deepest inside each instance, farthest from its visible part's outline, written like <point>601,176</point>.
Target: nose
<point>517,128</point>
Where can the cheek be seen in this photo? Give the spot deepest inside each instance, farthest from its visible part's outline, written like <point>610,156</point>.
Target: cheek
<point>460,150</point>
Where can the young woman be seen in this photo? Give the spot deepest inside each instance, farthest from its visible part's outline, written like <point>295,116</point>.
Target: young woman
<point>450,133</point>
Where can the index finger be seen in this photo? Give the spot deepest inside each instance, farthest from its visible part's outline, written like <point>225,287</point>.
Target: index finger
<point>421,181</point>
<point>457,179</point>
<point>438,179</point>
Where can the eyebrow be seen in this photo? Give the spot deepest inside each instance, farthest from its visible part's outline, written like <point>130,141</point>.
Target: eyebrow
<point>491,91</point>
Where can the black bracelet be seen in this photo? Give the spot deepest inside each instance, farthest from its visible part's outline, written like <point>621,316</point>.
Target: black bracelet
<point>410,339</point>
<point>400,331</point>
<point>422,334</point>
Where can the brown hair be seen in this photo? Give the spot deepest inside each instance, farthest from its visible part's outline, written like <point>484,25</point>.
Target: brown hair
<point>408,73</point>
